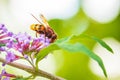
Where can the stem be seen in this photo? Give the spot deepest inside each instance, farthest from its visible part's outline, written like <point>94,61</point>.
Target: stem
<point>31,59</point>
<point>32,70</point>
<point>30,63</point>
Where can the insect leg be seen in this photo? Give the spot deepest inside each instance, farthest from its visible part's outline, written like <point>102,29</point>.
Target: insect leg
<point>36,34</point>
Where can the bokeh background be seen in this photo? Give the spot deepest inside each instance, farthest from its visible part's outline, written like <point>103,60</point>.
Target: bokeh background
<point>100,18</point>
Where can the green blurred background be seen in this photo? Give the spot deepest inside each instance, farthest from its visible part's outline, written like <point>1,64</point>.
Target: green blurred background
<point>100,18</point>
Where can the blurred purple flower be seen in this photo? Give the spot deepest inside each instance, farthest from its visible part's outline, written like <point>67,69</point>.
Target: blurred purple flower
<point>5,36</point>
<point>3,29</point>
<point>10,57</point>
<point>7,78</point>
<point>6,42</point>
<point>7,75</point>
<point>2,48</point>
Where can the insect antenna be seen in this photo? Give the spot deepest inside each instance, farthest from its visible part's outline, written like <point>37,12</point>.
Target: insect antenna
<point>35,18</point>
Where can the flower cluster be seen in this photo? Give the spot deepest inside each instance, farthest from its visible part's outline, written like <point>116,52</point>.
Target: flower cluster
<point>23,43</point>
<point>5,36</point>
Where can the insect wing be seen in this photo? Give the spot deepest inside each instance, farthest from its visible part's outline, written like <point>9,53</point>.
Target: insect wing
<point>44,20</point>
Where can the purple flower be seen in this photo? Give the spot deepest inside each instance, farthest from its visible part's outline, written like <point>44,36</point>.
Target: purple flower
<point>10,57</point>
<point>20,37</point>
<point>6,42</point>
<point>3,29</point>
<point>7,78</point>
<point>2,48</point>
<point>39,43</point>
<point>5,35</point>
<point>10,44</point>
<point>6,75</point>
<point>22,42</point>
<point>25,44</point>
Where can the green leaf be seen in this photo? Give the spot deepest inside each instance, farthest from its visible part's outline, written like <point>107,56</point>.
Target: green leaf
<point>44,52</point>
<point>77,47</point>
<point>102,43</point>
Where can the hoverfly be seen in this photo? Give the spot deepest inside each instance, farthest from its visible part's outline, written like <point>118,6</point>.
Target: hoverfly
<point>44,28</point>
